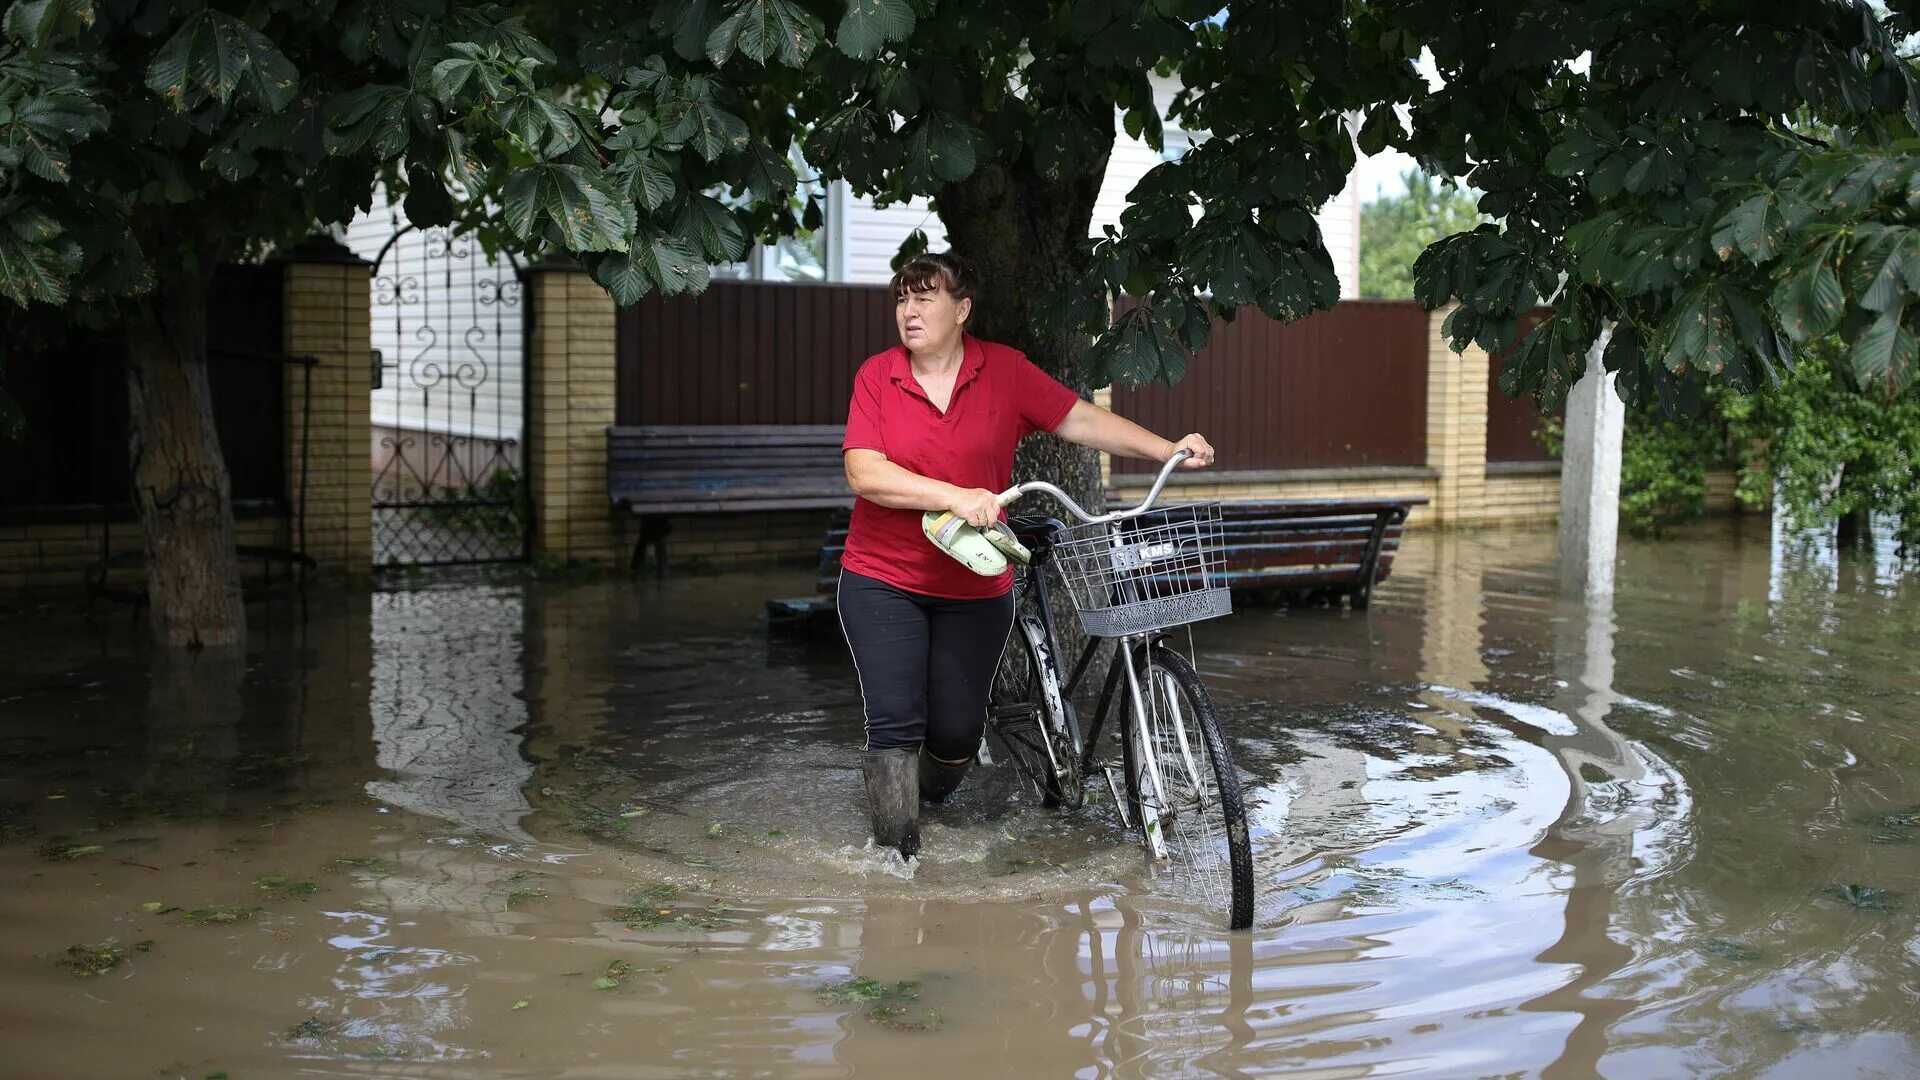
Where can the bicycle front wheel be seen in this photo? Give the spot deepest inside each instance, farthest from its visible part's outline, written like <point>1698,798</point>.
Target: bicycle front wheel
<point>1189,784</point>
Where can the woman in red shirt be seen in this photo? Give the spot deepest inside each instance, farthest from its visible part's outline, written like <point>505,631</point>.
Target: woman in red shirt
<point>932,426</point>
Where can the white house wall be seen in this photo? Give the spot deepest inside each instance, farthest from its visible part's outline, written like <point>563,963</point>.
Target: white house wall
<point>455,331</point>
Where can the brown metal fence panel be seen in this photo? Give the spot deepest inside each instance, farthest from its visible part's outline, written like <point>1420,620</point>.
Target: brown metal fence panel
<point>749,353</point>
<point>73,454</point>
<point>1513,422</point>
<point>1346,387</point>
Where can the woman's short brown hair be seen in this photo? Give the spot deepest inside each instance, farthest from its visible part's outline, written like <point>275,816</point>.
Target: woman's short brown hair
<point>937,270</point>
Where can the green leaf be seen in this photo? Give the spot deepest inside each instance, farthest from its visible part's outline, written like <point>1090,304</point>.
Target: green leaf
<point>35,23</point>
<point>763,29</point>
<point>1883,353</point>
<point>585,215</point>
<point>868,25</point>
<point>671,262</point>
<point>1381,130</point>
<point>212,55</point>
<point>762,172</point>
<point>939,149</point>
<point>1810,302</point>
<point>712,227</point>
<point>1575,154</point>
<point>710,130</point>
<point>621,276</point>
<point>40,269</point>
<point>646,177</point>
<point>1756,228</point>
<point>850,142</point>
<point>543,127</point>
<point>1875,270</point>
<point>368,116</point>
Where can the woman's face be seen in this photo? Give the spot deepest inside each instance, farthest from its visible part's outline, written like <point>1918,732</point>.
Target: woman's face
<point>930,320</point>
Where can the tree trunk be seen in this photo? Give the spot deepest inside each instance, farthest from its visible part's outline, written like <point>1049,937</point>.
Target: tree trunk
<point>1026,234</point>
<point>180,479</point>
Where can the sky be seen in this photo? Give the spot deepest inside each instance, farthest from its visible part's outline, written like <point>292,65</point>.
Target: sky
<point>1380,174</point>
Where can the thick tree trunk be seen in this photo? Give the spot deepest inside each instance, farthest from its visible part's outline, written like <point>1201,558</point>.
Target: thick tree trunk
<point>180,481</point>
<point>1026,234</point>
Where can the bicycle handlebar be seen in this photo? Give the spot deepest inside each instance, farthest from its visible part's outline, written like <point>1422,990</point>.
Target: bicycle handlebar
<point>1015,492</point>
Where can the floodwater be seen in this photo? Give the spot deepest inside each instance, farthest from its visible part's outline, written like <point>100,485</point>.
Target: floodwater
<point>499,827</point>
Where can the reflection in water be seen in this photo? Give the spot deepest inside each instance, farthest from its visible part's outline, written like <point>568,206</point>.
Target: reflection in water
<point>448,706</point>
<point>1498,834</point>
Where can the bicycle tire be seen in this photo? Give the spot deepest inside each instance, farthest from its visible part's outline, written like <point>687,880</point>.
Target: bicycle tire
<point>1023,724</point>
<point>1204,826</point>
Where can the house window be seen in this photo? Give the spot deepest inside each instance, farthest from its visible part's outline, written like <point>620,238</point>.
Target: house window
<point>800,257</point>
<point>1174,144</point>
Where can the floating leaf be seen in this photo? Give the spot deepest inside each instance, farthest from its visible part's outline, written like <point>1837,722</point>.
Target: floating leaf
<point>1864,897</point>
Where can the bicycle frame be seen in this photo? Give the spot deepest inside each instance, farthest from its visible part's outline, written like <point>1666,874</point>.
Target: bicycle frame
<point>1035,583</point>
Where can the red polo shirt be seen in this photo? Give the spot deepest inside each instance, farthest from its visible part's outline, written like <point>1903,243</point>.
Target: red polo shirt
<point>999,397</point>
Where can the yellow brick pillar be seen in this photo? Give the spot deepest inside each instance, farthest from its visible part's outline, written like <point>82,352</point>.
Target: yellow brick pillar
<point>571,373</point>
<point>326,317</point>
<point>1456,426</point>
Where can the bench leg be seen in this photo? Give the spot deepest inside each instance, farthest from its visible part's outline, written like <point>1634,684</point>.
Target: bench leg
<point>653,533</point>
<point>1362,592</point>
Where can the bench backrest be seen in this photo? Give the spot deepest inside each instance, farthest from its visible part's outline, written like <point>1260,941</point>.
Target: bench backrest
<point>710,468</point>
<point>1282,543</point>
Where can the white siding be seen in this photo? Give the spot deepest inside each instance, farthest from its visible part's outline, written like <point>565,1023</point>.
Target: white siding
<point>873,235</point>
<point>455,330</point>
<point>1133,159</point>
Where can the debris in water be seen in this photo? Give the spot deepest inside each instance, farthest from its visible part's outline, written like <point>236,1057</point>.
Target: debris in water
<point>312,1027</point>
<point>217,916</point>
<point>521,1004</point>
<point>1729,950</point>
<point>278,886</point>
<point>886,1005</point>
<point>86,961</point>
<point>1864,897</point>
<point>370,864</point>
<point>618,971</point>
<point>59,852</point>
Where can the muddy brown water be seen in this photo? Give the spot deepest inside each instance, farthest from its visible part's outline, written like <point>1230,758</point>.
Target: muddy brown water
<point>496,827</point>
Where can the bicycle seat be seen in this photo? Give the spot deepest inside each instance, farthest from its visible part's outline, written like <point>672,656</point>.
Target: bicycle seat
<point>1036,530</point>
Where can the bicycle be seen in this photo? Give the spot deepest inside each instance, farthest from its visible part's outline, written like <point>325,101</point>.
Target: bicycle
<point>1132,575</point>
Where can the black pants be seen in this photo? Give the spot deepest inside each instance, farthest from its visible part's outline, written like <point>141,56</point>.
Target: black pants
<point>926,665</point>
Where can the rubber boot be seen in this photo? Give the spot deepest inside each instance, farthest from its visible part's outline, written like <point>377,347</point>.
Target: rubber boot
<point>938,779</point>
<point>893,777</point>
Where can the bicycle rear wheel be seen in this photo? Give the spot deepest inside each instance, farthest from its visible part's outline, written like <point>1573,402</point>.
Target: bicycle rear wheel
<point>1036,725</point>
<point>1203,820</point>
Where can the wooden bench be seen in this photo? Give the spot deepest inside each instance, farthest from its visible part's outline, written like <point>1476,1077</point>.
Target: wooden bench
<point>657,472</point>
<point>1317,548</point>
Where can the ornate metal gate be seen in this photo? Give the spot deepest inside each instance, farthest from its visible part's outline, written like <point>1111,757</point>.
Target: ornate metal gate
<point>449,404</point>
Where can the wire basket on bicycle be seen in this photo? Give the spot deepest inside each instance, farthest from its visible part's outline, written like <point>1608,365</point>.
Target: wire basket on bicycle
<point>1163,568</point>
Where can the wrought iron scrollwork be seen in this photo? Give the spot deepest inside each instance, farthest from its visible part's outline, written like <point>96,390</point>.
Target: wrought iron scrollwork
<point>449,480</point>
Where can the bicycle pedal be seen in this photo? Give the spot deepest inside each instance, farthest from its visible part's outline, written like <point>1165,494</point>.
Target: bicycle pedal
<point>1119,800</point>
